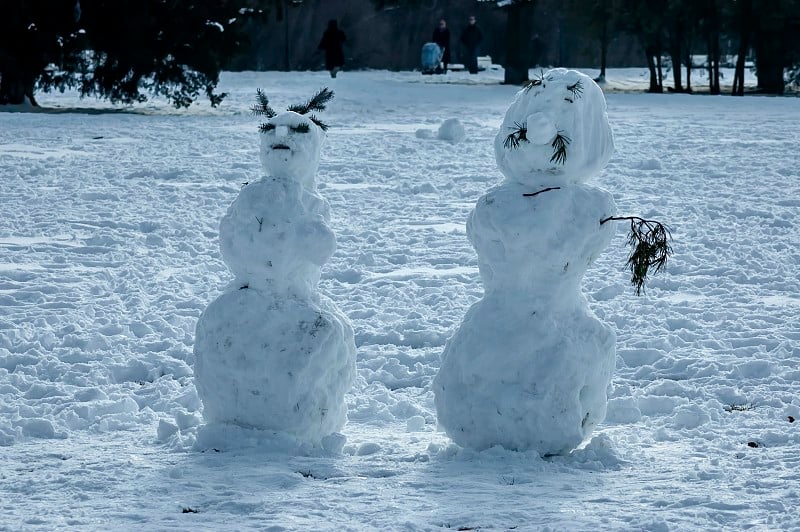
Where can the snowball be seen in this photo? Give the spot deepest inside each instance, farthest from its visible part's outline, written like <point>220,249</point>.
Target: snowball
<point>566,103</point>
<point>451,130</point>
<point>424,133</point>
<point>368,448</point>
<point>270,361</point>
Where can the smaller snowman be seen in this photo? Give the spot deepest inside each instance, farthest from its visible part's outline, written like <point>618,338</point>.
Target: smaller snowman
<point>271,352</point>
<point>529,366</point>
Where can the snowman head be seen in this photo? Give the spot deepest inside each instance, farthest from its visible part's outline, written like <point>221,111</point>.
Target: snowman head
<point>555,132</point>
<point>291,141</point>
<point>290,147</point>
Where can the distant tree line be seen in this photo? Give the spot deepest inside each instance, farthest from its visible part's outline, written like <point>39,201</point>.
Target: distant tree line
<point>126,49</point>
<point>680,29</point>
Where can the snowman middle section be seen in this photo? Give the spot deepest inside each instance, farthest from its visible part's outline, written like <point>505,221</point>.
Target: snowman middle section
<point>529,366</point>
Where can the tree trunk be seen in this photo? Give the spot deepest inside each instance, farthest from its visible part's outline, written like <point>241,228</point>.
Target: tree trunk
<point>603,50</point>
<point>738,79</point>
<point>770,76</point>
<point>651,66</point>
<point>677,71</point>
<point>689,76</point>
<point>660,72</point>
<point>745,16</point>
<point>716,64</point>
<point>675,55</point>
<point>517,52</point>
<point>713,61</point>
<point>15,86</point>
<point>687,45</point>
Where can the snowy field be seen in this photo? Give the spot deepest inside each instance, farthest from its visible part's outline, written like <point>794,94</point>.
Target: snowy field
<point>109,253</point>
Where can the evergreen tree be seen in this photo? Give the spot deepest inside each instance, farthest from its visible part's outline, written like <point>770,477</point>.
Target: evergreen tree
<point>646,20</point>
<point>517,63</point>
<point>33,35</point>
<point>119,50</point>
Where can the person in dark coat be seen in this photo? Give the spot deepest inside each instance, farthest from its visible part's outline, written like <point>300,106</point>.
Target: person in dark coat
<point>441,36</point>
<point>332,44</point>
<point>471,38</point>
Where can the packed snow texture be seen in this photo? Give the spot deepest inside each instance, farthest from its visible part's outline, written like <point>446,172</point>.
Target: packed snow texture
<point>275,236</point>
<point>529,366</point>
<point>273,361</point>
<point>271,353</point>
<point>560,102</point>
<point>109,253</point>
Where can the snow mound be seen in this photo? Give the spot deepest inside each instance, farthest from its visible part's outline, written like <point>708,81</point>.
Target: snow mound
<point>274,362</point>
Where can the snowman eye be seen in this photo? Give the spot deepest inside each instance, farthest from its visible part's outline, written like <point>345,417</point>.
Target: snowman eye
<point>576,89</point>
<point>266,127</point>
<point>301,128</point>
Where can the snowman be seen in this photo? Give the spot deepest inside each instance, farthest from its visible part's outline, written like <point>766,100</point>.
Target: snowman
<point>529,366</point>
<point>271,353</point>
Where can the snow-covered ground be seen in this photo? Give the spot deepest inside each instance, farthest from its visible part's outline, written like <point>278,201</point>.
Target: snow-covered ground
<point>109,253</point>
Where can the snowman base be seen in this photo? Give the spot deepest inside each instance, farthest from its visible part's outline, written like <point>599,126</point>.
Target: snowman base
<point>531,381</point>
<point>274,362</point>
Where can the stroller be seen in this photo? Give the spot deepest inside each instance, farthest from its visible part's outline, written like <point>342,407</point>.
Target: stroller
<point>431,58</point>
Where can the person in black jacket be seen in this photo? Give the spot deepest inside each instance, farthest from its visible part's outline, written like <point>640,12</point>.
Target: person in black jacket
<point>441,36</point>
<point>332,43</point>
<point>471,38</point>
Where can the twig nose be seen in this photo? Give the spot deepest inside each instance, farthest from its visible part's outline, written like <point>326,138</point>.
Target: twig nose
<point>281,131</point>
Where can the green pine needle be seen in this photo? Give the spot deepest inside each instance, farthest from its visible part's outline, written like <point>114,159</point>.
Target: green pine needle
<point>650,241</point>
<point>559,146</point>
<point>520,134</point>
<point>322,125</point>
<point>317,103</point>
<point>262,107</point>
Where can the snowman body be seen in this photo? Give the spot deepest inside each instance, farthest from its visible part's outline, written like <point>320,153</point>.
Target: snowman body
<point>529,366</point>
<point>272,353</point>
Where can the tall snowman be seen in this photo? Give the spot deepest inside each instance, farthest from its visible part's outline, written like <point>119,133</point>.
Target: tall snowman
<point>271,352</point>
<point>529,366</point>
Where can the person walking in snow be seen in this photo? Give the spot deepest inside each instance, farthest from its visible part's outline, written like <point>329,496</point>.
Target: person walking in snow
<point>471,38</point>
<point>332,43</point>
<point>441,36</point>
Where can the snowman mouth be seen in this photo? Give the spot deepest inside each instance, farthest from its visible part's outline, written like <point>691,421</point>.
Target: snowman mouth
<point>280,147</point>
